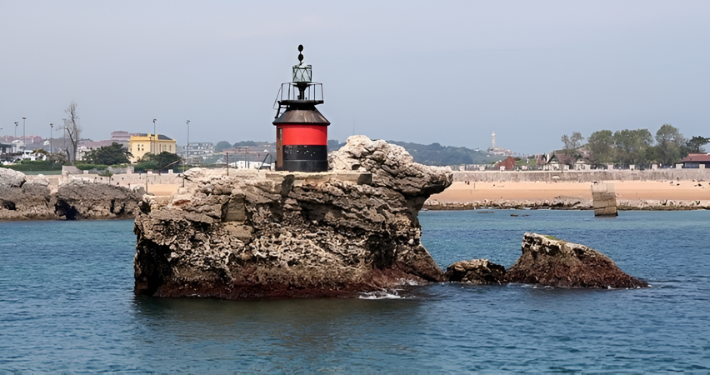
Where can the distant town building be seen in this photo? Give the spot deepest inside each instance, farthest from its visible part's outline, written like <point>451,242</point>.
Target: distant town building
<point>5,148</point>
<point>696,160</point>
<point>87,145</point>
<point>506,165</point>
<point>197,149</point>
<point>143,143</point>
<point>560,160</point>
<point>121,137</point>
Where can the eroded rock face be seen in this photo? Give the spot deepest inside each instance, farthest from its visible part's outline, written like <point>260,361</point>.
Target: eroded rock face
<point>11,179</point>
<point>476,271</point>
<point>552,262</point>
<point>256,234</point>
<point>24,200</point>
<point>391,166</point>
<point>83,199</point>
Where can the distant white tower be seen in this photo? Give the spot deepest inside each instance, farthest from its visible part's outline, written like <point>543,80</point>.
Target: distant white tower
<point>493,142</point>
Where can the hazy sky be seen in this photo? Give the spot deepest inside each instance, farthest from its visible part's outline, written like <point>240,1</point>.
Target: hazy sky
<point>435,71</point>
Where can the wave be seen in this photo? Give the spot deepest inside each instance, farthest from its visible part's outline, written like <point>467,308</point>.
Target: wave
<point>381,294</point>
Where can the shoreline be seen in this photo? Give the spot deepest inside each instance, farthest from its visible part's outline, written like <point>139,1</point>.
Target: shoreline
<point>502,205</point>
<point>667,195</point>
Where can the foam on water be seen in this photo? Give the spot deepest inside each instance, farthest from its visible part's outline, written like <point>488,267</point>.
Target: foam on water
<point>382,294</point>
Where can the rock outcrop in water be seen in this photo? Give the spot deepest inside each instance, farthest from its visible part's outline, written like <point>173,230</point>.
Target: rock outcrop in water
<point>256,234</point>
<point>552,262</point>
<point>23,199</point>
<point>84,199</point>
<point>476,271</point>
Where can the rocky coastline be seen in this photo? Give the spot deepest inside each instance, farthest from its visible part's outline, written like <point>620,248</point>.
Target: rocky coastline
<point>24,199</point>
<point>569,203</point>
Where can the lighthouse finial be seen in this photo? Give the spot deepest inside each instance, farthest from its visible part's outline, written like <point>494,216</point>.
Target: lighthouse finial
<point>300,55</point>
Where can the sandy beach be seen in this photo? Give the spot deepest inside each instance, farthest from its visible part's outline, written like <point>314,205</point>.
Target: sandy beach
<point>161,190</point>
<point>476,191</point>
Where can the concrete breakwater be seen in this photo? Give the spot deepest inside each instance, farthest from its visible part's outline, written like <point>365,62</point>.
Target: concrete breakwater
<point>570,203</point>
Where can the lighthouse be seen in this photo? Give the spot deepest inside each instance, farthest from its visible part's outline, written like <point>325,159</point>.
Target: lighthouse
<point>301,130</point>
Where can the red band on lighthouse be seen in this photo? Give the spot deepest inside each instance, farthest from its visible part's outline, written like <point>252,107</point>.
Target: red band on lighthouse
<point>304,135</point>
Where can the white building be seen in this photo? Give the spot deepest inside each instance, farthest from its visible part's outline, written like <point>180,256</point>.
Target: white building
<point>241,164</point>
<point>197,149</point>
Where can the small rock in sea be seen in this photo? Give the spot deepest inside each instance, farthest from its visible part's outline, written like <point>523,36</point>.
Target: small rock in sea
<point>514,215</point>
<point>476,271</point>
<point>553,262</point>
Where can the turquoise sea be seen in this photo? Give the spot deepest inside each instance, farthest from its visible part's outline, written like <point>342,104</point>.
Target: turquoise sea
<point>66,305</point>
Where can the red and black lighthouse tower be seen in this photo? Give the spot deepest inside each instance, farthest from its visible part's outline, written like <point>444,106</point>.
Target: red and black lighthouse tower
<point>301,130</point>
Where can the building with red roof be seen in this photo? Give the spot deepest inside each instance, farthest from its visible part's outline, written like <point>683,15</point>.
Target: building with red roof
<point>696,160</point>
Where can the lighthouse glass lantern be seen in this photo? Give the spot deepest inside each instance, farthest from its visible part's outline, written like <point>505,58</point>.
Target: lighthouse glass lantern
<point>302,73</point>
<point>301,130</point>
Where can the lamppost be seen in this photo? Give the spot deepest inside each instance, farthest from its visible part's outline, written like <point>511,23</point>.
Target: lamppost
<point>154,136</point>
<point>187,145</point>
<point>51,137</point>
<point>24,139</point>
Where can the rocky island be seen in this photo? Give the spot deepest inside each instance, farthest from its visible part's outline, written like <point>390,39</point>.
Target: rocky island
<point>263,234</point>
<point>251,234</point>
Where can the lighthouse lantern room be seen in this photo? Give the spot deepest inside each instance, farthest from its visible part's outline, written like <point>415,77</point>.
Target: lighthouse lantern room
<point>301,130</point>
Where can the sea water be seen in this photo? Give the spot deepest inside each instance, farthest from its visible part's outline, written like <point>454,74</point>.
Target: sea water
<point>67,304</point>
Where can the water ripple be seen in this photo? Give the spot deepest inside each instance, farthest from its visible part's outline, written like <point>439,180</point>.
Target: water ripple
<point>70,308</point>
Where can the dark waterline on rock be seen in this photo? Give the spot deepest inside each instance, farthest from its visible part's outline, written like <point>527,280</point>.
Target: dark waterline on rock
<point>66,303</point>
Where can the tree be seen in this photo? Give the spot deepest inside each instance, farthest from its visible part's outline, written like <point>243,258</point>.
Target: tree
<point>669,144</point>
<point>73,130</point>
<point>572,142</point>
<point>245,144</point>
<point>695,145</point>
<point>601,147</point>
<point>631,145</point>
<point>222,145</point>
<point>334,145</point>
<point>108,155</point>
<point>162,161</point>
